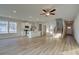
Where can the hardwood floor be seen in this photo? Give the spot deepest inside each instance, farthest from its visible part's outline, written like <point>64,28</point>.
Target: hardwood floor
<point>38,46</point>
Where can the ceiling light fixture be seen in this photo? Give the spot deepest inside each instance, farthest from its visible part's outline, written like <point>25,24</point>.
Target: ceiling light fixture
<point>48,12</point>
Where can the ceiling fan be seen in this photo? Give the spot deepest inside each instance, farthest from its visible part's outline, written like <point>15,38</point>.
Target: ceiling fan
<point>48,12</point>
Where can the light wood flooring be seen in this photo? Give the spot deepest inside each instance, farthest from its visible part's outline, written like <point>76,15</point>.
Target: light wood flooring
<point>39,46</point>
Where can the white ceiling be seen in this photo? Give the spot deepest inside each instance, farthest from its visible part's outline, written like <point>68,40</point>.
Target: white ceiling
<point>31,12</point>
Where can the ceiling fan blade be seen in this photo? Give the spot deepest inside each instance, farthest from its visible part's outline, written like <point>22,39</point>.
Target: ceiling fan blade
<point>44,10</point>
<point>52,13</point>
<point>42,14</point>
<point>53,10</point>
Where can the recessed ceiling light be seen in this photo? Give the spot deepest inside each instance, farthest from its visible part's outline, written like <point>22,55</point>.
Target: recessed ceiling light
<point>9,16</point>
<point>37,19</point>
<point>69,27</point>
<point>30,17</point>
<point>14,11</point>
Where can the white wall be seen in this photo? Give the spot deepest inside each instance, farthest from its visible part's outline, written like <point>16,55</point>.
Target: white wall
<point>76,29</point>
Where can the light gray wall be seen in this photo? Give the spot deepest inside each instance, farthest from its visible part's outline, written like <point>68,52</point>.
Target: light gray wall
<point>76,29</point>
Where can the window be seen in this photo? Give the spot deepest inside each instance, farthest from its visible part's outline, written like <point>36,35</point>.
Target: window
<point>3,27</point>
<point>12,27</point>
<point>8,27</point>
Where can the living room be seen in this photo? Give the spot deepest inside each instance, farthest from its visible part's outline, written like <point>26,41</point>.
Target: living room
<point>38,26</point>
